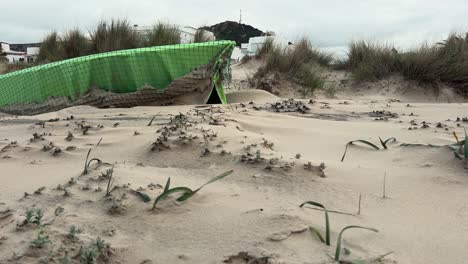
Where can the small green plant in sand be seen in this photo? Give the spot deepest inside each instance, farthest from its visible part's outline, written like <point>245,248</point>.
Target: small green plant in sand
<point>186,192</point>
<point>87,164</point>
<point>338,242</point>
<point>90,254</point>
<point>73,232</point>
<point>327,223</point>
<point>41,240</point>
<point>382,142</point>
<point>33,216</point>
<point>459,148</point>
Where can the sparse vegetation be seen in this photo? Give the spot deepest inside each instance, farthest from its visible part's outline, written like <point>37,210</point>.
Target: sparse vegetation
<point>327,223</point>
<point>74,44</point>
<point>41,240</point>
<point>201,36</point>
<point>91,254</point>
<point>50,50</point>
<point>113,35</point>
<point>382,142</point>
<point>33,216</point>
<point>302,64</point>
<point>186,192</point>
<point>371,60</point>
<point>266,48</point>
<point>338,242</point>
<point>162,34</point>
<point>73,232</point>
<point>110,182</point>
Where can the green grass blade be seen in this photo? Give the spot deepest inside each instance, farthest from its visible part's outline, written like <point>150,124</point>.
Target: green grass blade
<point>85,171</point>
<point>327,220</point>
<point>338,242</point>
<point>358,141</point>
<point>219,177</point>
<point>168,183</point>
<point>458,155</point>
<point>317,233</point>
<point>143,196</point>
<point>169,192</point>
<point>98,163</point>
<point>466,145</point>
<point>384,143</point>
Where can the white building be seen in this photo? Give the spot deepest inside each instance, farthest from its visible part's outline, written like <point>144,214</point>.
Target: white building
<point>255,43</point>
<point>18,56</point>
<point>187,33</point>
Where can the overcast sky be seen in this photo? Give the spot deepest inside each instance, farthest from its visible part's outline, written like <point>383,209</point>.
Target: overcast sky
<point>329,23</point>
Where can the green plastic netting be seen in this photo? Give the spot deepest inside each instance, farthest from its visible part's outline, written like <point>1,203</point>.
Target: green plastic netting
<point>120,72</point>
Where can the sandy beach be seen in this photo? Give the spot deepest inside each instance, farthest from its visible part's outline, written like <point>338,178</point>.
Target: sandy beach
<point>283,152</point>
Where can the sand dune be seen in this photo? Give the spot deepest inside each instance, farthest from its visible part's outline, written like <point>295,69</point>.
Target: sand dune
<point>254,210</point>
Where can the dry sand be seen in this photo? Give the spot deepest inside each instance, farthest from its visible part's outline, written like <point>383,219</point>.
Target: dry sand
<point>256,208</point>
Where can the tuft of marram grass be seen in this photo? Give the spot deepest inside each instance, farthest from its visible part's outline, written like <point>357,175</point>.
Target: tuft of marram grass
<point>116,34</point>
<point>201,36</point>
<point>87,164</point>
<point>186,192</point>
<point>50,49</point>
<point>369,60</point>
<point>300,63</point>
<point>74,44</point>
<point>266,48</point>
<point>445,62</point>
<point>162,34</point>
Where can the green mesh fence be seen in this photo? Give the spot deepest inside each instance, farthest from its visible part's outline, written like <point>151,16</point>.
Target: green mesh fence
<point>120,72</point>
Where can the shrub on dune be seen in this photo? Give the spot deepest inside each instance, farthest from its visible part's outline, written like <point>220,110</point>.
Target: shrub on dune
<point>162,34</point>
<point>74,44</point>
<point>50,49</point>
<point>116,34</point>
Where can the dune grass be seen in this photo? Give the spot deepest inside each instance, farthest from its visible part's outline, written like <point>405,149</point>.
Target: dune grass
<point>370,144</point>
<point>301,63</point>
<point>327,222</point>
<point>338,242</point>
<point>74,44</point>
<point>106,36</point>
<point>445,62</point>
<point>50,49</point>
<point>162,34</point>
<point>186,192</point>
<point>116,34</point>
<point>371,60</point>
<point>201,36</point>
<point>87,164</point>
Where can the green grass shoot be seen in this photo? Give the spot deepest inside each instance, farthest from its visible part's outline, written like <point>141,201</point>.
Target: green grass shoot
<point>370,144</point>
<point>87,164</point>
<point>338,242</point>
<point>186,192</point>
<point>466,146</point>
<point>145,197</point>
<point>327,222</point>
